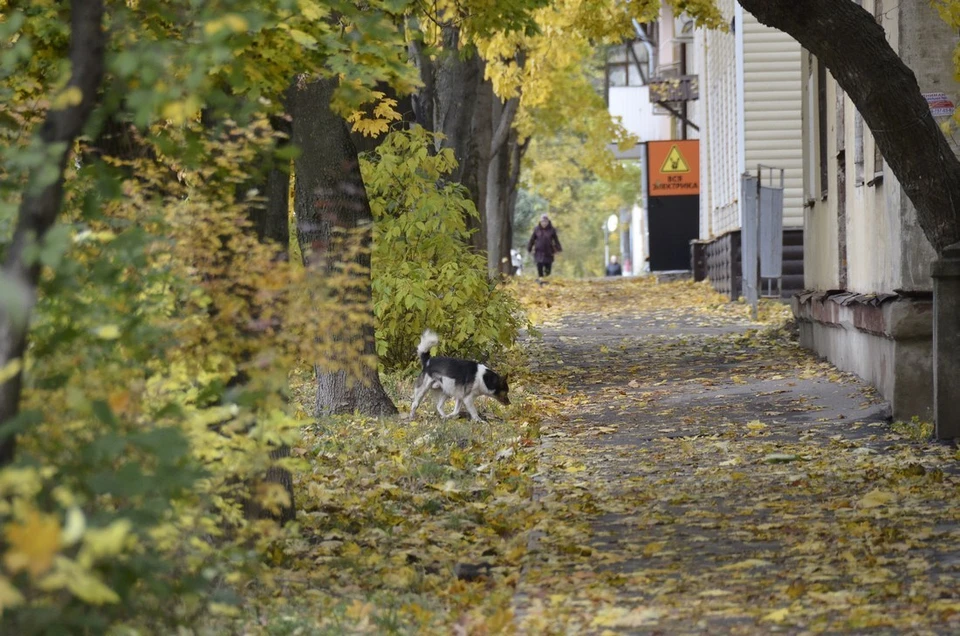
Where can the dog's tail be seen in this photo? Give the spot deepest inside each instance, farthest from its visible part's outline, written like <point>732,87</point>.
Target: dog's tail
<point>427,341</point>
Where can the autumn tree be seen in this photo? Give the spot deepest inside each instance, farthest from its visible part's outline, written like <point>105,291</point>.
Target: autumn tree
<point>333,210</point>
<point>42,198</point>
<point>162,331</point>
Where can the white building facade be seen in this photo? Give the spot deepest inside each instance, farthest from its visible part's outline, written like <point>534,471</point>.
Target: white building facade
<point>868,302</point>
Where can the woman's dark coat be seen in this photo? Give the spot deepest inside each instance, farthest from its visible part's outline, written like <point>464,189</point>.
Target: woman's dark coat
<point>544,243</point>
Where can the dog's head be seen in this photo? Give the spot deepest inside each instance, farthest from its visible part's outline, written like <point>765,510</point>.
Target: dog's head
<point>497,386</point>
<point>501,393</point>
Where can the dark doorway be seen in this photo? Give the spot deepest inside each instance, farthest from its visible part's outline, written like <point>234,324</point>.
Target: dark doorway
<point>674,221</point>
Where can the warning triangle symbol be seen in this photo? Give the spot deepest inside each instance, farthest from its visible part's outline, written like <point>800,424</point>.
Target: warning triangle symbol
<point>674,162</point>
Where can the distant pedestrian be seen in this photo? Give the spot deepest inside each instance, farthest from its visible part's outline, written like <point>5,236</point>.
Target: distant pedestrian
<point>613,268</point>
<point>544,243</point>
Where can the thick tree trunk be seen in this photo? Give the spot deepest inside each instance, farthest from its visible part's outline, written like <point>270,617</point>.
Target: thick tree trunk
<point>498,185</point>
<point>458,80</point>
<point>848,40</point>
<point>41,202</point>
<point>330,195</point>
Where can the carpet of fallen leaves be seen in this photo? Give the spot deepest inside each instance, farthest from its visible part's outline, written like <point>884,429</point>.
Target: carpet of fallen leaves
<point>668,466</point>
<point>703,474</point>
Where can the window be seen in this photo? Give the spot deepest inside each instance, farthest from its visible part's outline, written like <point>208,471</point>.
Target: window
<point>858,148</point>
<point>623,64</point>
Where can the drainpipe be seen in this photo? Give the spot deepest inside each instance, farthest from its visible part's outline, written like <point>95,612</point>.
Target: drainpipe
<point>651,50</point>
<point>644,247</point>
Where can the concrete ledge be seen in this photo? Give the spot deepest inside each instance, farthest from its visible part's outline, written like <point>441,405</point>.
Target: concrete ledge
<point>886,339</point>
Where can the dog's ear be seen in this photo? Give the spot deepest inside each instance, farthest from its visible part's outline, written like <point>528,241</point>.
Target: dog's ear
<point>506,377</point>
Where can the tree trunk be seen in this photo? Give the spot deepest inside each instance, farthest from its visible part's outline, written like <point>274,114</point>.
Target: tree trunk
<point>330,195</point>
<point>271,217</point>
<point>848,40</point>
<point>41,202</point>
<point>498,184</point>
<point>423,100</point>
<point>481,135</point>
<point>273,225</point>
<point>458,78</point>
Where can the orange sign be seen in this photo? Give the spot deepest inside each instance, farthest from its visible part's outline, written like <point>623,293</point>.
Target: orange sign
<point>674,168</point>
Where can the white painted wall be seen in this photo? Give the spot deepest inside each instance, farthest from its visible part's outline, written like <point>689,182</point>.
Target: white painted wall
<point>632,105</point>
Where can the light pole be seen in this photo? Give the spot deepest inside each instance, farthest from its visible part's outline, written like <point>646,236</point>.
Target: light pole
<point>609,228</point>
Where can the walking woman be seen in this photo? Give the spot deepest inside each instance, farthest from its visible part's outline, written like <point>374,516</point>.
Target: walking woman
<point>544,243</point>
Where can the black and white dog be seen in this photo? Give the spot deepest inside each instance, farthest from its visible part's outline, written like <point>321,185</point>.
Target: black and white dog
<point>462,380</point>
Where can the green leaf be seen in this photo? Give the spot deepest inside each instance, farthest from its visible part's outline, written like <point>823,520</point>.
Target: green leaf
<point>104,413</point>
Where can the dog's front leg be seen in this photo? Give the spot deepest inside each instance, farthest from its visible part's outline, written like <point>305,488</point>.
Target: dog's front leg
<point>471,409</point>
<point>457,404</point>
<point>419,391</point>
<point>441,398</point>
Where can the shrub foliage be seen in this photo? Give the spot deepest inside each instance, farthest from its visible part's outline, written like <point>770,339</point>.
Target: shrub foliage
<point>424,273</point>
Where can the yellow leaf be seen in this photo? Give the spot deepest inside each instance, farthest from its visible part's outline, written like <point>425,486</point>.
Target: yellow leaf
<point>70,96</point>
<point>230,22</point>
<point>876,498</point>
<point>99,543</point>
<point>10,369</point>
<point>178,112</point>
<point>756,425</point>
<point>80,581</point>
<point>400,578</point>
<point>622,617</point>
<point>33,543</point>
<point>746,564</point>
<point>303,39</point>
<point>107,332</point>
<point>652,548</point>
<point>222,609</point>
<point>385,109</point>
<point>9,595</point>
<point>312,11</point>
<point>371,127</point>
<point>777,616</point>
<point>359,610</point>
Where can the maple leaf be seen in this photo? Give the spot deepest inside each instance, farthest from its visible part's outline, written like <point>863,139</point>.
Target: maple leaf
<point>34,542</point>
<point>80,581</point>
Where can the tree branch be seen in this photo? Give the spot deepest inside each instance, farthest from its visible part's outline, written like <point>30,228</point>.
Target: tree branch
<point>503,126</point>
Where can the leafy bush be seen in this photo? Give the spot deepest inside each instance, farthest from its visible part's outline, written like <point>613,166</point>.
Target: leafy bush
<point>137,454</point>
<point>424,273</point>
